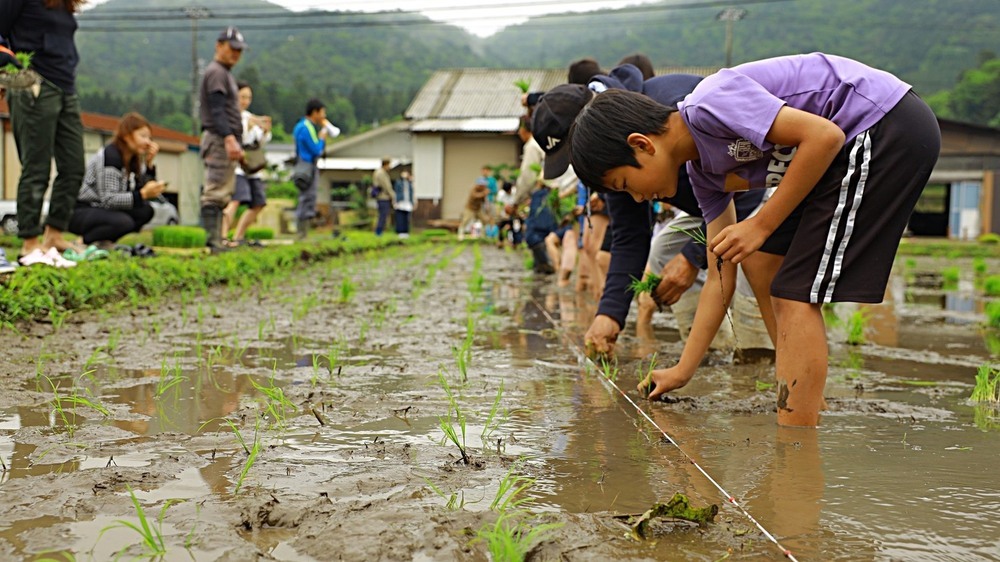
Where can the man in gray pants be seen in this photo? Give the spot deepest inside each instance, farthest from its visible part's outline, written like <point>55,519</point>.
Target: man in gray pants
<point>222,129</point>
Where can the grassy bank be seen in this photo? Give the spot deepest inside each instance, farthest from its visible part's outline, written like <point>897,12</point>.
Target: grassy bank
<point>942,247</point>
<point>50,294</point>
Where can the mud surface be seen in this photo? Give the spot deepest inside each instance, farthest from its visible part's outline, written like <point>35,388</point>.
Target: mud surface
<point>352,464</point>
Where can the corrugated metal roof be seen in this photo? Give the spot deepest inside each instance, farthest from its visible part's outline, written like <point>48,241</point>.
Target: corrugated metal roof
<point>466,93</point>
<point>475,125</point>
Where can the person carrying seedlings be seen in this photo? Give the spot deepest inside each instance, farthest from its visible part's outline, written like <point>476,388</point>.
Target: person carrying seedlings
<point>310,135</point>
<point>249,188</point>
<point>221,132</point>
<point>864,145</point>
<point>474,209</point>
<point>119,182</point>
<point>677,258</point>
<point>45,119</point>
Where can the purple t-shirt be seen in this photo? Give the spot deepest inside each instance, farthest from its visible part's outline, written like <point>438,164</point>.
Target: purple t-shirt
<point>731,111</point>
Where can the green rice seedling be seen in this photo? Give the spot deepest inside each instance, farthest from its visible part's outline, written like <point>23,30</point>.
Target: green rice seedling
<point>648,284</point>
<point>763,386</point>
<point>170,377</point>
<point>991,286</point>
<point>453,502</point>
<point>987,384</point>
<point>276,404</point>
<point>511,492</point>
<point>114,338</point>
<point>64,406</point>
<point>830,316</point>
<point>252,455</point>
<point>447,425</point>
<point>24,58</point>
<point>856,326</point>
<point>510,540</point>
<point>260,329</point>
<point>259,233</point>
<point>494,419</point>
<point>609,369</point>
<point>173,236</point>
<point>347,289</point>
<point>696,234</point>
<point>152,534</point>
<point>950,276</point>
<point>979,266</point>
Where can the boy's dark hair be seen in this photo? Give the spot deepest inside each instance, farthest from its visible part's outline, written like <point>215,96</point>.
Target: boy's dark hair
<point>313,106</point>
<point>581,71</point>
<point>240,84</point>
<point>599,137</point>
<point>641,62</point>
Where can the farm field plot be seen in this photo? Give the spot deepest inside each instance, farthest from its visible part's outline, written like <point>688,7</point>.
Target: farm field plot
<point>427,402</point>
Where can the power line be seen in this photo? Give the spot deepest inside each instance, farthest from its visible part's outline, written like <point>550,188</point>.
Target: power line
<point>263,12</point>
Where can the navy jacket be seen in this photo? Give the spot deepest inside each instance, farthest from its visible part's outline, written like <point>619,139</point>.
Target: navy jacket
<point>631,222</point>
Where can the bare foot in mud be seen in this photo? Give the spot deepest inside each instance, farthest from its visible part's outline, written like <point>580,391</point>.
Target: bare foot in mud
<point>660,381</point>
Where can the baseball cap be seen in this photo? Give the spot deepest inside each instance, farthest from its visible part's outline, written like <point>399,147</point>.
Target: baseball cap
<point>234,37</point>
<point>553,117</point>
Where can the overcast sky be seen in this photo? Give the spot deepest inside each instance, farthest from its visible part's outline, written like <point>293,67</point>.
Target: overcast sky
<point>480,17</point>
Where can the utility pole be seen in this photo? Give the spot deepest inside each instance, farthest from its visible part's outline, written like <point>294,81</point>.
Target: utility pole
<point>195,13</point>
<point>730,15</point>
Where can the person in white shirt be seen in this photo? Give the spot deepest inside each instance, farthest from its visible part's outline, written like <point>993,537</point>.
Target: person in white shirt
<point>249,184</point>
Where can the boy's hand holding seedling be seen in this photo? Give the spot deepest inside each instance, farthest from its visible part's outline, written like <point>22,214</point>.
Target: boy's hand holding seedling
<point>600,339</point>
<point>676,278</point>
<point>662,381</point>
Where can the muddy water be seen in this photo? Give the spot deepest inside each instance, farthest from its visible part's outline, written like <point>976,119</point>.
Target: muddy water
<point>900,469</point>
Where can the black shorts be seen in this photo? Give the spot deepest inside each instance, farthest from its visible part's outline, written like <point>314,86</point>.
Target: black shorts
<point>851,222</point>
<point>249,191</point>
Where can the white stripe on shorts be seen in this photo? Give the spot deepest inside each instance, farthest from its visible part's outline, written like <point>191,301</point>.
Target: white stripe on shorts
<point>833,254</point>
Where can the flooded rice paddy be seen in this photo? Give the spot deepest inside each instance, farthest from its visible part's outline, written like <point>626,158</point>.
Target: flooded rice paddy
<point>303,421</point>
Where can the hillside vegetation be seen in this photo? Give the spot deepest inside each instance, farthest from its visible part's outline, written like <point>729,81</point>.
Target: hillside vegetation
<point>136,54</point>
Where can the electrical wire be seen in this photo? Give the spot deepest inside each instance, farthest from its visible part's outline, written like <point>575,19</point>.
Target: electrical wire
<point>583,360</point>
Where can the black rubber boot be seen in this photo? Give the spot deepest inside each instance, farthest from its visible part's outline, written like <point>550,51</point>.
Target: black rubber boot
<point>211,221</point>
<point>542,264</point>
<point>302,229</point>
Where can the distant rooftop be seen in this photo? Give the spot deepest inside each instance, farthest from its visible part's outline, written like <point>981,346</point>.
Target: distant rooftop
<point>488,98</point>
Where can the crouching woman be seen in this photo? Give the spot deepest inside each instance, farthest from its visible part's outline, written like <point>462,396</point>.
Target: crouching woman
<point>118,184</point>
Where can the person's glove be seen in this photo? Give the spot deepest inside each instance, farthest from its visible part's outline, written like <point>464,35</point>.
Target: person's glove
<point>7,57</point>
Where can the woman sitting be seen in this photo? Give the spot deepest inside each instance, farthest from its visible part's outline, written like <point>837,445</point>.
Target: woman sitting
<point>118,184</point>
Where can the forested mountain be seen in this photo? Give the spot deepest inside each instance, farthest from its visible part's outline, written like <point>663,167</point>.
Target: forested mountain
<point>136,54</point>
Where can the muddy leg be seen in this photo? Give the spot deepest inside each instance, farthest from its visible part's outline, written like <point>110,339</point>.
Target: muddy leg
<point>801,361</point>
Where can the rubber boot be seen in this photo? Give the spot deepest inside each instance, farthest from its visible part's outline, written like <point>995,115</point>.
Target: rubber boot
<point>211,221</point>
<point>542,263</point>
<point>301,229</point>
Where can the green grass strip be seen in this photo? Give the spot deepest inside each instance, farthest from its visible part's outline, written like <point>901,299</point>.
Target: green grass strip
<point>38,292</point>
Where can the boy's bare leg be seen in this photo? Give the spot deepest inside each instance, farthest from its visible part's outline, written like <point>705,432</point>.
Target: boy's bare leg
<point>228,214</point>
<point>53,238</point>
<point>552,248</point>
<point>568,262</point>
<point>246,219</point>
<point>800,361</point>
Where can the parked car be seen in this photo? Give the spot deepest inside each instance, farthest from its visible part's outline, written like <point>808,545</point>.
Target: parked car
<point>8,215</point>
<point>164,212</point>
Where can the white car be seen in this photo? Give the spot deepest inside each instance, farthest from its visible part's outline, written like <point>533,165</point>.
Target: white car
<point>8,215</point>
<point>164,212</point>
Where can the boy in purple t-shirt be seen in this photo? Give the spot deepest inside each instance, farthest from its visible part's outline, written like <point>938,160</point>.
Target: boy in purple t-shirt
<point>849,149</point>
